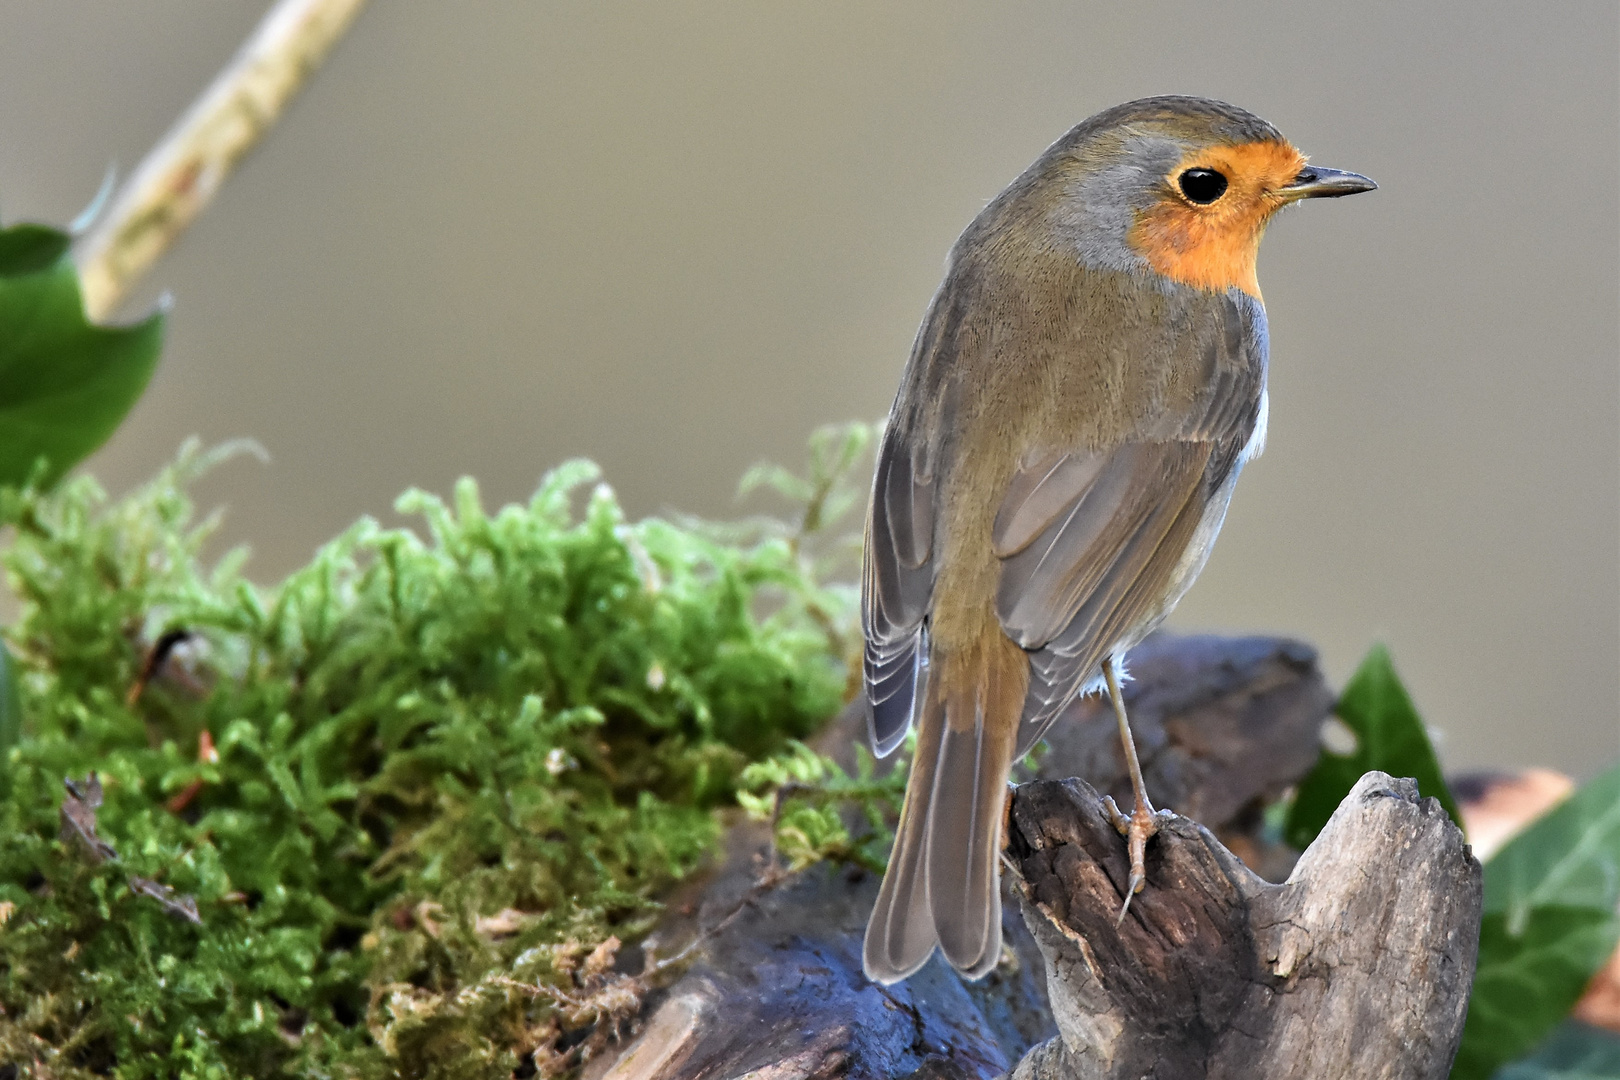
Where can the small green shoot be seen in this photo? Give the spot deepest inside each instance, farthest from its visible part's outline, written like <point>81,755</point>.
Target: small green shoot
<point>810,800</point>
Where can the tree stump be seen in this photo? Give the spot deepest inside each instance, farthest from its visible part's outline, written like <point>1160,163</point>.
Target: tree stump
<point>1358,966</point>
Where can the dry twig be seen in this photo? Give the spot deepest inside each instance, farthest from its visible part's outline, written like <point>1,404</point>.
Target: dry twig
<point>184,171</point>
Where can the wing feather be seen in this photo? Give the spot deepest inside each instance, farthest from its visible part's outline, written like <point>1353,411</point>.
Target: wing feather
<point>1101,569</point>
<point>898,583</point>
<point>1037,495</point>
<point>1091,541</point>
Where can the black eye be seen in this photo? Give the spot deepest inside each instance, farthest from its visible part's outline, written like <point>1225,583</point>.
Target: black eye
<point>1202,186</point>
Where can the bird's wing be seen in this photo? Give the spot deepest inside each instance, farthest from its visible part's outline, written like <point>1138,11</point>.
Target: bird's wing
<point>1091,540</point>
<point>1090,543</point>
<point>898,579</point>
<point>1088,538</point>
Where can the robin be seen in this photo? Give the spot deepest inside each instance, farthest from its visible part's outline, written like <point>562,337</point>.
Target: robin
<point>1087,384</point>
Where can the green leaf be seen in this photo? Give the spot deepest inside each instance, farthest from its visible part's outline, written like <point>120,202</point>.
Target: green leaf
<point>1526,983</point>
<point>25,249</point>
<point>1569,857</point>
<point>1389,737</point>
<point>1575,1052</point>
<point>1550,924</point>
<point>64,384</point>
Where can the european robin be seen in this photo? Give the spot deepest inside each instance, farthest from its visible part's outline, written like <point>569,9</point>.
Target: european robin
<point>1087,384</point>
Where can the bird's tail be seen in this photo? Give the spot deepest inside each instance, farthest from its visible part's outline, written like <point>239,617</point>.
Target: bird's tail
<point>943,882</point>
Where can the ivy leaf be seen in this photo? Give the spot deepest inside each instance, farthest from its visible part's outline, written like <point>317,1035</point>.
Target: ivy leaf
<point>1550,924</point>
<point>25,249</point>
<point>1389,737</point>
<point>1575,1052</point>
<point>64,384</point>
<point>1569,857</point>
<point>1526,983</point>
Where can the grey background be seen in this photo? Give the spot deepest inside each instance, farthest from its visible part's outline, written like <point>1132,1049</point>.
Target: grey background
<point>675,237</point>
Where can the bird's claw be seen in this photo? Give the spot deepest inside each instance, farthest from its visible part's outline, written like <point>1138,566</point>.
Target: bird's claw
<point>1137,829</point>
<point>1121,823</point>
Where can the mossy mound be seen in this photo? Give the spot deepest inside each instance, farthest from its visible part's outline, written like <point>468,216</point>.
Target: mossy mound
<point>409,789</point>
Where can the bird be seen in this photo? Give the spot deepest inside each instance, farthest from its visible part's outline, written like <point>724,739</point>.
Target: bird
<point>1083,391</point>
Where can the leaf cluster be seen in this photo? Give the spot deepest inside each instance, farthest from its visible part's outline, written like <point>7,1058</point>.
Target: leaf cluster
<point>1550,923</point>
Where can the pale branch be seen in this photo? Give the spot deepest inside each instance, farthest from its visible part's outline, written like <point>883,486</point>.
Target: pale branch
<point>181,175</point>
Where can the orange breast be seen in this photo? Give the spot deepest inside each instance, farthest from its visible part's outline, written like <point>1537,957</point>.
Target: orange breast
<point>1215,246</point>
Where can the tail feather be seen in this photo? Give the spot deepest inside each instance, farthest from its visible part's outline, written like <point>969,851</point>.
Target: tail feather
<point>964,827</point>
<point>900,934</point>
<point>942,886</point>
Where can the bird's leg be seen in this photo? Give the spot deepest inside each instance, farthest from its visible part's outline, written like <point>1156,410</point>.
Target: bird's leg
<point>1143,821</point>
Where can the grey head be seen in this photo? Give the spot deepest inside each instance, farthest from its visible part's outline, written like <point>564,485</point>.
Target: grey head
<point>1179,185</point>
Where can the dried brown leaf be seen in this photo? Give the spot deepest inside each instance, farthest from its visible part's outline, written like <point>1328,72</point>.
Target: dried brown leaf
<point>179,905</point>
<point>79,817</point>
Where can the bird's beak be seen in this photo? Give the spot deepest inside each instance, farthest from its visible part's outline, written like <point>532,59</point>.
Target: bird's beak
<point>1315,182</point>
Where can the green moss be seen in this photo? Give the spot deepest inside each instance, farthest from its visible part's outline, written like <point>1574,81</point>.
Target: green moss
<point>446,772</point>
<point>820,812</point>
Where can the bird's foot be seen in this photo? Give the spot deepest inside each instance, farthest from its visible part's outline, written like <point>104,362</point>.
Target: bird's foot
<point>1138,828</point>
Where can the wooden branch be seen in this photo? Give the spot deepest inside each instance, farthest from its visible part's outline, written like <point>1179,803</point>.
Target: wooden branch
<point>1360,965</point>
<point>181,175</point>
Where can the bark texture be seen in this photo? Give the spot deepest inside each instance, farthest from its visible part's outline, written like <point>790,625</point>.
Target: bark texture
<point>779,994</point>
<point>1358,966</point>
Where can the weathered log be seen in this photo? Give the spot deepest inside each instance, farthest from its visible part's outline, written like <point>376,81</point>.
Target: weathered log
<point>779,993</point>
<point>1358,966</point>
<point>775,989</point>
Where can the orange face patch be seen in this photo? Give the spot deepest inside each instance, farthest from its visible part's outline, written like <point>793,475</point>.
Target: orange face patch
<point>1214,246</point>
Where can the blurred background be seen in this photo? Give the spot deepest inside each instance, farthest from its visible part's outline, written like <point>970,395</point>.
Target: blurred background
<point>676,237</point>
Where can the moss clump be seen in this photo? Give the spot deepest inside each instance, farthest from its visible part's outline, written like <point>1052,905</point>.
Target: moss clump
<point>416,791</point>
